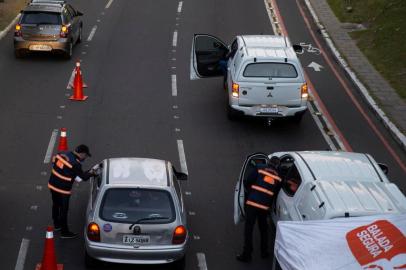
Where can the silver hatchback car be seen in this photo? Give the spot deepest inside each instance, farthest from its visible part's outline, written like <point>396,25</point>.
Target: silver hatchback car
<point>136,214</point>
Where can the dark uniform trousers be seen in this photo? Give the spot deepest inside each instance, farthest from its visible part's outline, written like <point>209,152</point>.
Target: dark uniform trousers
<point>253,214</point>
<point>60,207</point>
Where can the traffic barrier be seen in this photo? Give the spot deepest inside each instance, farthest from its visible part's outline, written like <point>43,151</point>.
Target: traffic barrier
<point>49,258</point>
<point>78,85</point>
<point>63,141</point>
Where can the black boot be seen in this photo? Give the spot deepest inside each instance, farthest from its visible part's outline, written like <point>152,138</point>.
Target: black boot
<point>244,257</point>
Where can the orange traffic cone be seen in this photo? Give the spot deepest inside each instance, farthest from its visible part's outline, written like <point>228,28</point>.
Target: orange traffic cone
<point>49,258</point>
<point>63,141</point>
<point>78,85</point>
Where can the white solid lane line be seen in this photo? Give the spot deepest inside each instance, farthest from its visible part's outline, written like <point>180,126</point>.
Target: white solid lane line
<point>201,259</point>
<point>175,38</point>
<point>22,254</point>
<point>174,87</point>
<point>182,157</point>
<point>180,7</point>
<point>91,35</point>
<point>109,4</point>
<point>51,145</point>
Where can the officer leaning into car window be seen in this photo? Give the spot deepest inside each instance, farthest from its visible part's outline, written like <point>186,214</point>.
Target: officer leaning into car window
<point>66,168</point>
<point>261,186</point>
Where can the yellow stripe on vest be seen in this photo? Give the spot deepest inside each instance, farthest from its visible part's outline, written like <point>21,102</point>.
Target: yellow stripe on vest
<point>61,159</point>
<point>257,205</point>
<point>270,175</point>
<point>60,176</point>
<point>261,189</point>
<point>58,190</point>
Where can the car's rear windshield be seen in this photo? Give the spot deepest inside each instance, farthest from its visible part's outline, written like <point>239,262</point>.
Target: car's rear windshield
<point>37,17</point>
<point>272,70</point>
<point>137,205</point>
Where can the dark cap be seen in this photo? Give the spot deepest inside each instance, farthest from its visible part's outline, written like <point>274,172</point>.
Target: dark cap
<point>83,149</point>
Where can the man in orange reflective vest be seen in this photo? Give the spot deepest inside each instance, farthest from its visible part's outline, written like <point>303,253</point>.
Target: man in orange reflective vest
<point>262,186</point>
<point>66,169</point>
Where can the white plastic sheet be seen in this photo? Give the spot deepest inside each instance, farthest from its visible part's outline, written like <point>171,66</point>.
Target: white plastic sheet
<point>372,242</point>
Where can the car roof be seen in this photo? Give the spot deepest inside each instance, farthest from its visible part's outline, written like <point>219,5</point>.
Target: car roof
<point>137,172</point>
<point>47,7</point>
<point>340,166</point>
<point>268,46</point>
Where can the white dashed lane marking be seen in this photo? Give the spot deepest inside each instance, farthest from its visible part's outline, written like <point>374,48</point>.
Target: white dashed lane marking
<point>91,35</point>
<point>51,145</point>
<point>180,7</point>
<point>182,157</point>
<point>174,86</point>
<point>22,254</point>
<point>175,38</point>
<point>109,4</point>
<point>201,259</point>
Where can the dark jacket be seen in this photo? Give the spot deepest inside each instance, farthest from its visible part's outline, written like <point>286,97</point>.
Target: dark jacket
<point>65,168</point>
<point>262,191</point>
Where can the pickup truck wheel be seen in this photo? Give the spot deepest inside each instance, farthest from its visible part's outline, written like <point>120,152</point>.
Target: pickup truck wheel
<point>232,114</point>
<point>298,117</point>
<point>179,264</point>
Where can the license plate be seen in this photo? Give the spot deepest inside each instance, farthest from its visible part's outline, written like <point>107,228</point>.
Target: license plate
<point>40,48</point>
<point>136,239</point>
<point>273,110</point>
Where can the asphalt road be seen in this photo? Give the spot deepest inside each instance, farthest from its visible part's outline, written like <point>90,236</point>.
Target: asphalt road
<point>128,65</point>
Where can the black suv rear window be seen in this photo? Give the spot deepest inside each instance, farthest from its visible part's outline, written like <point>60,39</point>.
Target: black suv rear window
<point>137,205</point>
<point>273,70</point>
<point>41,18</point>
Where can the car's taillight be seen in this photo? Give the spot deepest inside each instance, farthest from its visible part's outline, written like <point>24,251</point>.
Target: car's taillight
<point>17,31</point>
<point>179,235</point>
<point>64,31</point>
<point>304,91</point>
<point>93,232</point>
<point>235,91</point>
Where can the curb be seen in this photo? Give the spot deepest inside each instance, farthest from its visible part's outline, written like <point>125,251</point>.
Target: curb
<point>394,131</point>
<point>5,31</point>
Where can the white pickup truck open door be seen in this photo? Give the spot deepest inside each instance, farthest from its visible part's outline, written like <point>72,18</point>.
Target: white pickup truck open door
<point>252,162</point>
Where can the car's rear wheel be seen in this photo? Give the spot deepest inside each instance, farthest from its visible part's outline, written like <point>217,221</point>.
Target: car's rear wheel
<point>179,264</point>
<point>19,53</point>
<point>90,262</point>
<point>68,54</point>
<point>298,117</point>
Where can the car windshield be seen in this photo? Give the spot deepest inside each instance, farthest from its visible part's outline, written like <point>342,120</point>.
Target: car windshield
<point>273,70</point>
<point>41,18</point>
<point>137,205</point>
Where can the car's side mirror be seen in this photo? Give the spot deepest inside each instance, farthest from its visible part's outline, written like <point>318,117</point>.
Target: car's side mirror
<point>78,13</point>
<point>179,175</point>
<point>384,168</point>
<point>298,48</point>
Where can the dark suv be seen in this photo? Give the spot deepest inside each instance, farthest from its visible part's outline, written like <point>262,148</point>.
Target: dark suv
<point>48,26</point>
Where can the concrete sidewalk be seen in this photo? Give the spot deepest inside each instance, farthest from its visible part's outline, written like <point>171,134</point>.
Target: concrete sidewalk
<point>384,95</point>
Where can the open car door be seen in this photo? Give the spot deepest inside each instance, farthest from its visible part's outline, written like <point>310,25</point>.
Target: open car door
<point>207,52</point>
<point>252,163</point>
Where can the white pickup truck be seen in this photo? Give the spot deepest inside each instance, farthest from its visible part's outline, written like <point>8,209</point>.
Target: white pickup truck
<point>325,185</point>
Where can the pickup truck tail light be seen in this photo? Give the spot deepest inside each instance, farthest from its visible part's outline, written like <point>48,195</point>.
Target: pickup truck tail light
<point>93,232</point>
<point>17,31</point>
<point>235,91</point>
<point>64,31</point>
<point>304,91</point>
<point>179,235</point>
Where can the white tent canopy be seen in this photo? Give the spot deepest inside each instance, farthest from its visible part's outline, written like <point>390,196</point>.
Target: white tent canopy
<point>371,242</point>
